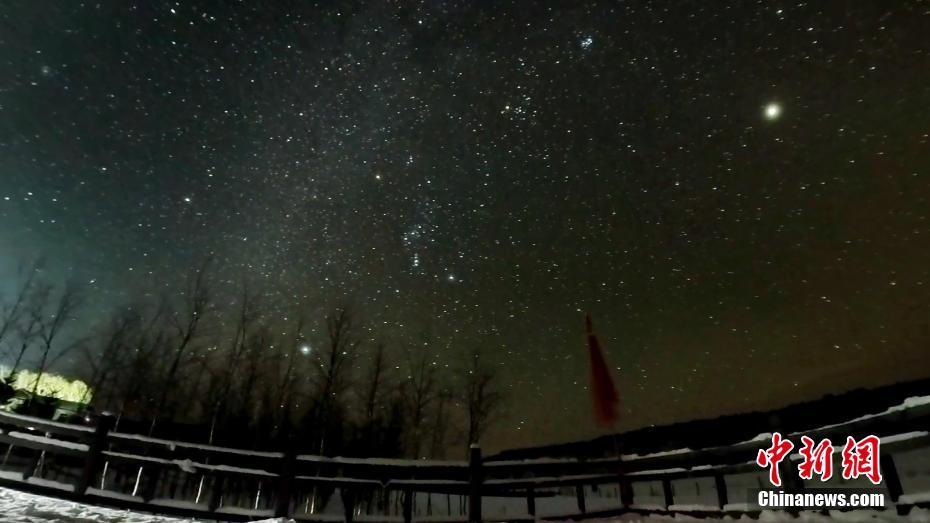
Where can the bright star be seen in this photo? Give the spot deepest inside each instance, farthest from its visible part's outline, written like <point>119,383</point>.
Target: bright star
<point>772,111</point>
<point>305,349</point>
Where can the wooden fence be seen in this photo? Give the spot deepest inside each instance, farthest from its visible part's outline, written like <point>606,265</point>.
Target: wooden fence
<point>96,465</point>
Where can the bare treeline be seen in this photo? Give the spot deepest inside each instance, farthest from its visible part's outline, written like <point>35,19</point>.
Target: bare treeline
<point>187,366</point>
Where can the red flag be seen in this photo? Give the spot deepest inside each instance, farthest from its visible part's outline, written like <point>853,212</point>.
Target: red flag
<point>602,385</point>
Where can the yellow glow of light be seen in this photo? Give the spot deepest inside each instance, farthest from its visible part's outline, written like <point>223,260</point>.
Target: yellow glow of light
<point>52,385</point>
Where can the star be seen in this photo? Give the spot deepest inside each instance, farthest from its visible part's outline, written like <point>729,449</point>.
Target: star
<point>772,111</point>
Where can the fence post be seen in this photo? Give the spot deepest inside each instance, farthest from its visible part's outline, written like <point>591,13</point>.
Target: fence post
<point>667,493</point>
<point>94,459</point>
<point>892,480</point>
<point>283,496</point>
<point>626,492</point>
<point>791,482</point>
<point>151,484</point>
<point>579,496</point>
<point>625,486</point>
<point>216,495</point>
<point>531,501</point>
<point>723,497</point>
<point>348,503</point>
<point>408,505</point>
<point>474,483</point>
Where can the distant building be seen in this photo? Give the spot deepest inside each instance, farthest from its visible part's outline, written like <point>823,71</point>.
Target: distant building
<point>73,395</point>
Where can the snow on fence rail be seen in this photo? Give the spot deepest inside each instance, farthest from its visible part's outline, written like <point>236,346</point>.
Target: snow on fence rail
<point>97,465</point>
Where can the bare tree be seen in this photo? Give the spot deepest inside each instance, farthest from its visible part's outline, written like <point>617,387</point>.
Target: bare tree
<point>107,360</point>
<point>375,384</point>
<point>11,313</point>
<point>136,375</point>
<point>479,395</point>
<point>244,320</point>
<point>186,325</point>
<point>373,400</point>
<point>50,327</point>
<point>28,328</point>
<point>255,357</point>
<point>283,402</point>
<point>332,369</point>
<point>419,390</point>
<point>441,423</point>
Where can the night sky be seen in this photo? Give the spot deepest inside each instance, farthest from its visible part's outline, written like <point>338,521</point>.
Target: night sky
<point>737,191</point>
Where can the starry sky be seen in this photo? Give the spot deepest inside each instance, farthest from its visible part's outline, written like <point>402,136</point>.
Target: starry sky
<point>737,191</point>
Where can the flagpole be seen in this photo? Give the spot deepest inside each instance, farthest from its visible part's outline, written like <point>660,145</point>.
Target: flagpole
<point>608,412</point>
<point>624,488</point>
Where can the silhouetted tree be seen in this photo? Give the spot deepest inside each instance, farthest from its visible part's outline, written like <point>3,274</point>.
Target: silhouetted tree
<point>247,314</point>
<point>28,329</point>
<point>256,375</point>
<point>51,324</point>
<point>11,313</point>
<point>108,360</point>
<point>375,384</point>
<point>283,403</point>
<point>419,389</point>
<point>331,372</point>
<point>442,423</point>
<point>139,375</point>
<point>186,325</point>
<point>479,395</point>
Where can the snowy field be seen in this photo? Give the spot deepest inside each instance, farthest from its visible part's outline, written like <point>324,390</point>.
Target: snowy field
<point>19,507</point>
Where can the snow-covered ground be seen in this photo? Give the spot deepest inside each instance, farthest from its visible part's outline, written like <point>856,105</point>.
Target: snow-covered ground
<point>20,507</point>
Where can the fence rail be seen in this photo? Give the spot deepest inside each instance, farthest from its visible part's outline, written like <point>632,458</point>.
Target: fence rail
<point>97,465</point>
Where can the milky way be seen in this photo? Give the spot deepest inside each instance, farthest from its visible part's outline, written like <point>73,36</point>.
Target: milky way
<point>736,191</point>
